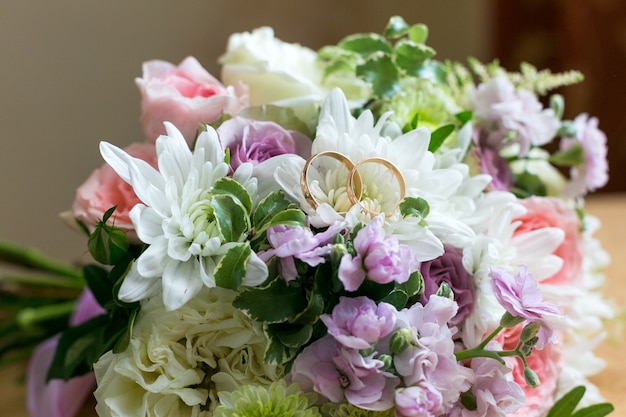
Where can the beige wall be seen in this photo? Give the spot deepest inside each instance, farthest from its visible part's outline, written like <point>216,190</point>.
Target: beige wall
<point>67,69</point>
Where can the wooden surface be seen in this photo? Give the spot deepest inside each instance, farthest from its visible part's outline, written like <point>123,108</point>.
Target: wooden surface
<point>611,209</point>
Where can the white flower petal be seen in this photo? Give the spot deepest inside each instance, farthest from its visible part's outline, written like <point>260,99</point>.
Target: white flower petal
<point>180,282</point>
<point>135,287</point>
<point>256,271</point>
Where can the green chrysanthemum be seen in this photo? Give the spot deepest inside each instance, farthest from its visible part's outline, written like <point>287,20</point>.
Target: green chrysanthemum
<point>276,400</point>
<point>348,410</point>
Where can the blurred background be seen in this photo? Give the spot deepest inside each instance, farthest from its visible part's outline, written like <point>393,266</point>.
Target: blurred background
<point>67,71</point>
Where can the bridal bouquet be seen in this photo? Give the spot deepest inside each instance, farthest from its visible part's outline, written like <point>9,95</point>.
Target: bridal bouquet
<point>361,230</point>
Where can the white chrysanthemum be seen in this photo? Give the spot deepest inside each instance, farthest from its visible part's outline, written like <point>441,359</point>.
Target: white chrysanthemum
<point>177,218</point>
<point>178,361</point>
<point>358,140</point>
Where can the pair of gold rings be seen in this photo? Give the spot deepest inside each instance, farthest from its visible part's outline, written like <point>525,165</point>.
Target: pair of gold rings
<point>354,182</point>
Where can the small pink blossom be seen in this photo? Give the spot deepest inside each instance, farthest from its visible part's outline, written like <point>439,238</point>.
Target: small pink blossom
<point>593,173</point>
<point>255,141</point>
<point>105,189</point>
<point>290,243</point>
<point>358,322</point>
<point>185,95</point>
<point>378,259</point>
<point>421,400</point>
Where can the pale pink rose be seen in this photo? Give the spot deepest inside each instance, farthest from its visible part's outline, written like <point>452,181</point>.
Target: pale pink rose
<point>105,189</point>
<point>185,95</point>
<point>551,212</point>
<point>546,363</point>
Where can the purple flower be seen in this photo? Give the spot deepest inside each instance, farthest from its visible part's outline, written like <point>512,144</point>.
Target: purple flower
<point>491,163</point>
<point>59,398</point>
<point>430,357</point>
<point>449,268</point>
<point>378,259</point>
<point>255,141</point>
<point>422,400</point>
<point>593,173</point>
<point>358,322</point>
<point>290,243</point>
<point>509,116</point>
<point>342,374</point>
<point>520,295</point>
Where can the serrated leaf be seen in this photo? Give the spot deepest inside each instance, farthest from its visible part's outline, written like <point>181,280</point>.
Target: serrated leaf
<point>269,207</point>
<point>381,73</point>
<point>439,136</point>
<point>418,33</point>
<point>567,403</point>
<point>231,187</point>
<point>410,56</point>
<point>311,313</point>
<point>596,410</point>
<point>231,268</point>
<point>276,351</point>
<point>278,302</point>
<point>396,28</point>
<point>366,44</point>
<point>283,116</point>
<point>231,216</point>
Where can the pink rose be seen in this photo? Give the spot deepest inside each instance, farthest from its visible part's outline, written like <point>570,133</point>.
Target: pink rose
<point>550,212</point>
<point>185,95</point>
<point>105,189</point>
<point>547,365</point>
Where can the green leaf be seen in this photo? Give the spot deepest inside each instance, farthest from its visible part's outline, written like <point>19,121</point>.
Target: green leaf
<point>439,136</point>
<point>418,33</point>
<point>290,217</point>
<point>311,313</point>
<point>572,156</point>
<point>410,56</point>
<point>269,207</point>
<point>432,71</point>
<point>99,283</point>
<point>231,217</point>
<point>107,244</point>
<point>283,116</point>
<point>278,302</point>
<point>414,286</point>
<point>396,28</point>
<point>414,206</point>
<point>527,184</point>
<point>381,73</point>
<point>293,335</point>
<point>123,342</point>
<point>231,268</point>
<point>397,298</point>
<point>464,116</point>
<point>231,187</point>
<point>596,410</point>
<point>366,44</point>
<point>566,404</point>
<point>276,351</point>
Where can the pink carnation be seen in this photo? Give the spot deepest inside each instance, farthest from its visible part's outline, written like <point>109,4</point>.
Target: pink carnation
<point>185,95</point>
<point>105,189</point>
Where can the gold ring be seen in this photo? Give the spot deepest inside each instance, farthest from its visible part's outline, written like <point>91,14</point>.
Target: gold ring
<point>354,199</point>
<point>304,183</point>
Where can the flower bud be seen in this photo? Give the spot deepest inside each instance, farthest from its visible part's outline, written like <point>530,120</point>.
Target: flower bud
<point>529,331</point>
<point>509,321</point>
<point>400,340</point>
<point>445,291</point>
<point>366,352</point>
<point>531,377</point>
<point>337,252</point>
<point>387,361</point>
<point>108,244</point>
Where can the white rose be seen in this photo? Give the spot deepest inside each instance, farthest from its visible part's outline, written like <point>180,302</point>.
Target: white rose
<point>273,70</point>
<point>178,360</point>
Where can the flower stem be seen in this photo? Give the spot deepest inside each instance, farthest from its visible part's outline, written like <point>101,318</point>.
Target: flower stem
<point>33,315</point>
<point>31,258</point>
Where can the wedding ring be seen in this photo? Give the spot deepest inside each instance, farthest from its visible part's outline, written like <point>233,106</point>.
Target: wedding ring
<point>356,199</point>
<point>355,190</point>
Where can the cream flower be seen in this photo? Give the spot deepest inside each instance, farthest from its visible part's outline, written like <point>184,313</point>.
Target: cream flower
<point>178,361</point>
<point>179,219</point>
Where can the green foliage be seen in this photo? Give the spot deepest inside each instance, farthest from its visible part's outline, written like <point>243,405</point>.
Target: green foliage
<point>283,116</point>
<point>566,405</point>
<point>231,268</point>
<point>439,136</point>
<point>107,244</point>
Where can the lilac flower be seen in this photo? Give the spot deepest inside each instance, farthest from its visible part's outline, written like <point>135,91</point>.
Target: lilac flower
<point>491,163</point>
<point>521,297</point>
<point>431,355</point>
<point>421,400</point>
<point>290,243</point>
<point>341,374</point>
<point>593,173</point>
<point>59,398</point>
<point>449,268</point>
<point>493,389</point>
<point>378,259</point>
<point>508,116</point>
<point>255,141</point>
<point>358,322</point>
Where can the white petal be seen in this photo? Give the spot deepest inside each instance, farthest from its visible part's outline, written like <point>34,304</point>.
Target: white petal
<point>136,288</point>
<point>117,159</point>
<point>180,282</point>
<point>256,271</point>
<point>148,223</point>
<point>151,262</point>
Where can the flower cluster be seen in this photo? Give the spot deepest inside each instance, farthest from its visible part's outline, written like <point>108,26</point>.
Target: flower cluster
<point>357,231</point>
